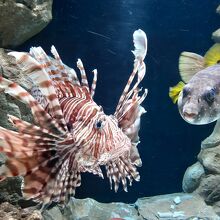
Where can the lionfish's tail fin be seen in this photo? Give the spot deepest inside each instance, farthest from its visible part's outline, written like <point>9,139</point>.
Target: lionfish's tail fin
<point>129,109</point>
<point>121,171</point>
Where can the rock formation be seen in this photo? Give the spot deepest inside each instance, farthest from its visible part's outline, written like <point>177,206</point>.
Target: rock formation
<point>216,34</point>
<point>22,19</point>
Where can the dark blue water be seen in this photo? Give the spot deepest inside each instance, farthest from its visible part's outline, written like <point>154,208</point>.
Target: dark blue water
<point>168,144</point>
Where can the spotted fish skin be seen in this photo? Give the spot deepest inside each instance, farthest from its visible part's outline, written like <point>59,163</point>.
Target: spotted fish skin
<point>72,133</point>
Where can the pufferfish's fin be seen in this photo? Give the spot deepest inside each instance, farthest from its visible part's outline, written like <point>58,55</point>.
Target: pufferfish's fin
<point>212,56</point>
<point>175,91</point>
<point>190,64</point>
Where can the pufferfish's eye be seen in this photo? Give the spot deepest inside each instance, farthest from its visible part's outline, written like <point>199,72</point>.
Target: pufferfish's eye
<point>210,96</point>
<point>186,91</point>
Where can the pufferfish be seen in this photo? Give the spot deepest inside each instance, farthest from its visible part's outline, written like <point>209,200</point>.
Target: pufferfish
<point>72,134</point>
<point>198,96</point>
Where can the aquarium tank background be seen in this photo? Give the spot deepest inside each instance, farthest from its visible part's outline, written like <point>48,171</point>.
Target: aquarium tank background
<point>100,33</point>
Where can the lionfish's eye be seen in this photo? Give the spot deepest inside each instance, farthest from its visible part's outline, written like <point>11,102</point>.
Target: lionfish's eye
<point>210,96</point>
<point>99,124</point>
<point>69,126</point>
<point>186,91</point>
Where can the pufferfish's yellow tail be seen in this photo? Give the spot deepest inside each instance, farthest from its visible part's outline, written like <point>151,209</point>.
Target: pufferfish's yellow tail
<point>212,56</point>
<point>192,63</point>
<point>175,91</point>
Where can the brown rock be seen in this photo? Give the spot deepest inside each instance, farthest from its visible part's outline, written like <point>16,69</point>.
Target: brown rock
<point>210,159</point>
<point>10,212</point>
<point>20,20</point>
<point>209,188</point>
<point>192,177</point>
<point>188,206</point>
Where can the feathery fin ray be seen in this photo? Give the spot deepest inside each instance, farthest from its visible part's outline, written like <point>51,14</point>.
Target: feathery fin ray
<point>50,155</point>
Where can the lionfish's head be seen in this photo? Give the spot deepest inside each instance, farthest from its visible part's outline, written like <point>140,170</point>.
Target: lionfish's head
<point>100,139</point>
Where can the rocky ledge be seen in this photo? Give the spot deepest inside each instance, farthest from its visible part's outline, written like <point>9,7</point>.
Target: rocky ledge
<point>179,206</point>
<point>172,206</point>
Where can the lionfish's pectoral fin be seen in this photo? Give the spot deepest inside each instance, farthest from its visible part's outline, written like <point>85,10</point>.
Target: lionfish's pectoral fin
<point>29,155</point>
<point>32,153</point>
<point>121,170</point>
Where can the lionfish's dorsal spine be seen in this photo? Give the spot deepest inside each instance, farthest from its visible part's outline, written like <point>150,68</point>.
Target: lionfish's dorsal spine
<point>38,73</point>
<point>93,87</point>
<point>129,109</point>
<point>140,43</point>
<point>128,113</point>
<point>40,116</point>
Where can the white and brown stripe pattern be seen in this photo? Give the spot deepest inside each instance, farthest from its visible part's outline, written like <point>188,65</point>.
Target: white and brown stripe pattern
<point>73,134</point>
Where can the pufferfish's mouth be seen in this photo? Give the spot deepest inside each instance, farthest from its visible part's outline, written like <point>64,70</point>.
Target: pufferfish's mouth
<point>190,120</point>
<point>197,118</point>
<point>190,117</point>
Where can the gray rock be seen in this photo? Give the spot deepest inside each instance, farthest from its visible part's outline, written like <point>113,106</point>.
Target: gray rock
<point>10,212</point>
<point>10,190</point>
<point>209,188</point>
<point>8,66</point>
<point>210,159</point>
<point>214,139</point>
<point>91,209</point>
<point>216,35</point>
<point>192,177</point>
<point>151,208</point>
<point>22,19</point>
<point>9,105</point>
<point>218,9</point>
<point>162,206</point>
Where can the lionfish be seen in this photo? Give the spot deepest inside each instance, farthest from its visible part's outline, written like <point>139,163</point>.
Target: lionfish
<point>71,134</point>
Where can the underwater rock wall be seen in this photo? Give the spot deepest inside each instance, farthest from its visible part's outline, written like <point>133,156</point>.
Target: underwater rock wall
<point>9,69</point>
<point>203,177</point>
<point>22,19</point>
<point>171,206</point>
<point>216,34</point>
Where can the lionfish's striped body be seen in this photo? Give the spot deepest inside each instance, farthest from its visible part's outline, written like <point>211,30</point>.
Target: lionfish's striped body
<point>72,134</point>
